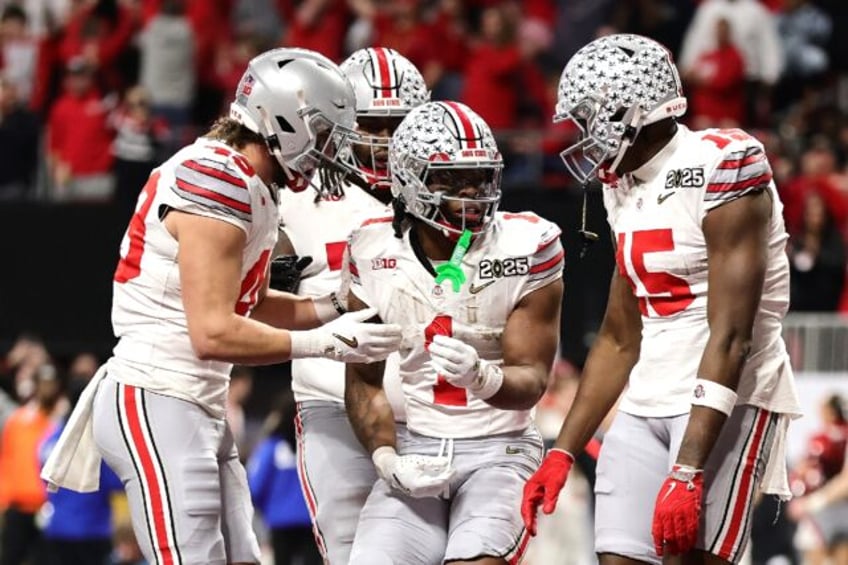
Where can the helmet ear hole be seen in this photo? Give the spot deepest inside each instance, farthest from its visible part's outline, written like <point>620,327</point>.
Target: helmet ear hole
<point>284,124</point>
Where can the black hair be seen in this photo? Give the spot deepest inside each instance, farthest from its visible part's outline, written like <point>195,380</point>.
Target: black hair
<point>400,215</point>
<point>14,12</point>
<point>835,403</point>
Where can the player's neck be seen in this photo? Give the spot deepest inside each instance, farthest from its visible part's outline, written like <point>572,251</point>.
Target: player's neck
<point>650,141</point>
<point>435,245</point>
<point>261,160</point>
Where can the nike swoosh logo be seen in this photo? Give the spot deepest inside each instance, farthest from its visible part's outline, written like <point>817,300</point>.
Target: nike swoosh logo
<point>663,197</point>
<point>351,342</point>
<point>670,489</point>
<point>475,289</point>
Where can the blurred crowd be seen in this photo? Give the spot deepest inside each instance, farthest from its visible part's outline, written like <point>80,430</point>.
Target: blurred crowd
<point>95,93</point>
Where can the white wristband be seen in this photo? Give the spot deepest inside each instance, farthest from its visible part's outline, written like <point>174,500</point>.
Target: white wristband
<point>488,382</point>
<point>382,458</point>
<point>328,307</point>
<point>713,395</point>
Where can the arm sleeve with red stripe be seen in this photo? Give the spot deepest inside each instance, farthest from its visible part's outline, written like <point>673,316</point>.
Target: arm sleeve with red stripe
<point>742,170</point>
<point>545,265</point>
<point>212,186</point>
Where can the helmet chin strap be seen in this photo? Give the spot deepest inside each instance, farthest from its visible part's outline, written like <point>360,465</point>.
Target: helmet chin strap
<point>631,131</point>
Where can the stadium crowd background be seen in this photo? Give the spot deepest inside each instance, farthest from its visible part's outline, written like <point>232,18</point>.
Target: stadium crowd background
<point>94,93</point>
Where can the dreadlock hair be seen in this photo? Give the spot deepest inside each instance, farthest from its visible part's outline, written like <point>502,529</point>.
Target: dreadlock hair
<point>400,215</point>
<point>236,135</point>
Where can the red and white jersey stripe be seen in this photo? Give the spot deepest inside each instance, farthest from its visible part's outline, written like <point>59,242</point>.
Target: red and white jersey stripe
<point>656,214</point>
<point>519,254</point>
<point>210,179</point>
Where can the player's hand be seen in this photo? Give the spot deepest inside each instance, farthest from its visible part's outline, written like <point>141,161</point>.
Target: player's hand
<point>286,272</point>
<point>458,362</point>
<point>678,511</point>
<point>419,476</point>
<point>349,339</point>
<point>544,486</point>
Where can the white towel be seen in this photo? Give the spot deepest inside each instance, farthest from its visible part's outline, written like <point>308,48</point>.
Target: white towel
<point>75,462</point>
<point>775,480</point>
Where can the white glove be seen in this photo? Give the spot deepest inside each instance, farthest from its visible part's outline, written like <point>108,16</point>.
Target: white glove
<point>348,339</point>
<point>459,363</point>
<point>419,476</point>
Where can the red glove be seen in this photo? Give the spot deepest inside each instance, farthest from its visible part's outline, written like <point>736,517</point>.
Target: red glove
<point>544,486</point>
<point>678,511</point>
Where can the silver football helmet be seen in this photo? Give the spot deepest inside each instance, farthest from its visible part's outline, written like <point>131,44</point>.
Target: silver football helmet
<point>610,89</point>
<point>387,87</point>
<point>304,107</point>
<point>446,168</point>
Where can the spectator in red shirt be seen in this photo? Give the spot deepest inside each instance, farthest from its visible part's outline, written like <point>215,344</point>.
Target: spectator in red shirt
<point>492,70</point>
<point>319,25</point>
<point>79,140</point>
<point>717,84</point>
<point>100,32</point>
<point>818,173</point>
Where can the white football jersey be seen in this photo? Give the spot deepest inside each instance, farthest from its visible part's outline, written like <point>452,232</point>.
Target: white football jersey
<point>656,214</point>
<point>520,253</point>
<point>320,230</point>
<point>207,178</point>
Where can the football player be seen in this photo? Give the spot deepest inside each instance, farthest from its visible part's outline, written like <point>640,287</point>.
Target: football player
<point>693,322</point>
<point>475,359</point>
<point>387,87</point>
<point>191,298</point>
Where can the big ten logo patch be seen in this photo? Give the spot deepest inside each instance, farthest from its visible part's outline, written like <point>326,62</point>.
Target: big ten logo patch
<point>509,267</point>
<point>383,263</point>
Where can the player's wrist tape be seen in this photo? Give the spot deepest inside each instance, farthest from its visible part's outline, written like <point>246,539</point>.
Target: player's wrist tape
<point>488,382</point>
<point>713,395</point>
<point>383,457</point>
<point>328,307</point>
<point>309,343</point>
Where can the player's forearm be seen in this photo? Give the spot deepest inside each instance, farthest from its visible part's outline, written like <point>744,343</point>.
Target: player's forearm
<point>522,388</point>
<point>286,310</point>
<point>236,339</point>
<point>368,408</point>
<point>722,363</point>
<point>602,382</point>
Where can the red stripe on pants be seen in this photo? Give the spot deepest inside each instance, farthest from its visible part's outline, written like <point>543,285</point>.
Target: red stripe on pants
<point>149,479</point>
<point>743,498</point>
<point>307,488</point>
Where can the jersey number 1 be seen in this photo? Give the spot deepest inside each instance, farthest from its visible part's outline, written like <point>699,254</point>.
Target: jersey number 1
<point>444,393</point>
